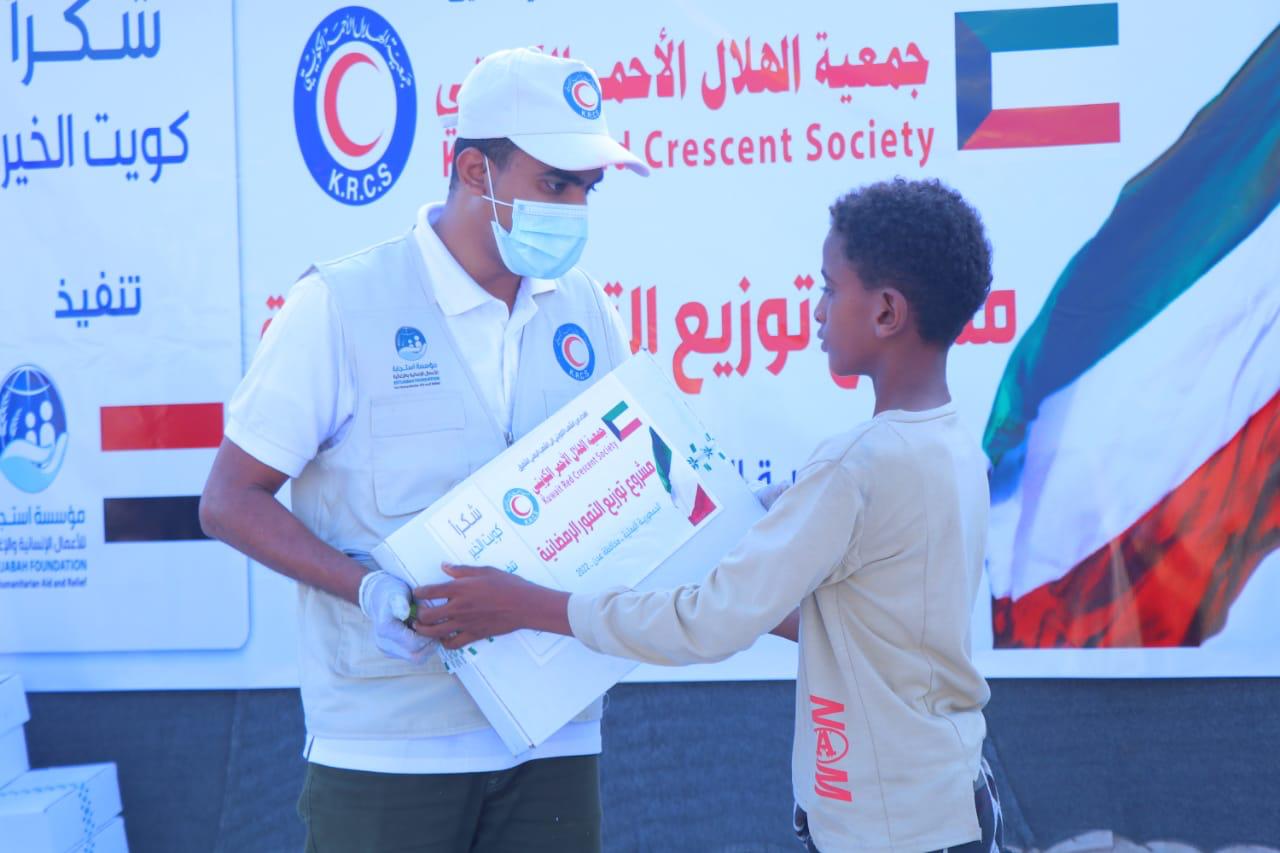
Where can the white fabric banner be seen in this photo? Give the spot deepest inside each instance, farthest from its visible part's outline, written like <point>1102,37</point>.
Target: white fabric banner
<point>171,169</point>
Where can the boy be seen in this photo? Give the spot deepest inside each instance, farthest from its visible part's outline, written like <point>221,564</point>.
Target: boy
<point>880,542</point>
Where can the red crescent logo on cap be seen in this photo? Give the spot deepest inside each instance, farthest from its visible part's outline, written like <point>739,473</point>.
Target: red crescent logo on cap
<point>572,346</point>
<point>339,136</point>
<point>585,94</point>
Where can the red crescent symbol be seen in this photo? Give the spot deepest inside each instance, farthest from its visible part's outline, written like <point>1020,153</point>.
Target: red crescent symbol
<point>589,102</point>
<point>567,349</point>
<point>339,136</point>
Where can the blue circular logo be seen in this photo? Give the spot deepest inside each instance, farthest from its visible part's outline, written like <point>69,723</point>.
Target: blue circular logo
<point>583,94</point>
<point>521,506</point>
<point>574,351</point>
<point>355,105</point>
<point>33,429</point>
<point>410,343</point>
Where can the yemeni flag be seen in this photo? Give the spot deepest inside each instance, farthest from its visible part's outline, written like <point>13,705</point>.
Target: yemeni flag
<point>1135,434</point>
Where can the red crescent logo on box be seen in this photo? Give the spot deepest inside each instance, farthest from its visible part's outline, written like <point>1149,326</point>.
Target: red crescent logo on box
<point>521,506</point>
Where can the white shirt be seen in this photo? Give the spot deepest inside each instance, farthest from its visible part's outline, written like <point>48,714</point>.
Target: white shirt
<point>303,397</point>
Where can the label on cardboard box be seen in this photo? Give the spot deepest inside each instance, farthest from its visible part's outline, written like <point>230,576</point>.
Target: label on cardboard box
<point>618,483</point>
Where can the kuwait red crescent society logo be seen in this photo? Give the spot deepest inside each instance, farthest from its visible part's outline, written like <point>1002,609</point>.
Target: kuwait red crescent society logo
<point>574,351</point>
<point>355,105</point>
<point>521,506</point>
<point>583,94</point>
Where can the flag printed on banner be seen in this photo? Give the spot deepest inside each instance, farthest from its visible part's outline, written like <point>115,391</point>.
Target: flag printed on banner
<point>165,518</point>
<point>1135,434</point>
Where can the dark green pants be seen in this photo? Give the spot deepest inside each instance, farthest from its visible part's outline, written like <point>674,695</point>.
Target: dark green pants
<point>546,806</point>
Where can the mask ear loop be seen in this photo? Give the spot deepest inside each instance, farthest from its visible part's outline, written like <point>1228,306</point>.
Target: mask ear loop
<point>493,202</point>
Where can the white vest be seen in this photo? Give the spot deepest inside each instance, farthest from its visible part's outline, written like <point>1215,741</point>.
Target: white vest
<point>420,427</point>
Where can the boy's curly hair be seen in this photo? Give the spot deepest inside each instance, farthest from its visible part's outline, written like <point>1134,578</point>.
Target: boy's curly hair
<point>923,238</point>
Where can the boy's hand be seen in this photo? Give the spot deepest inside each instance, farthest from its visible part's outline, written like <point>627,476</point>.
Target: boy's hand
<point>486,602</point>
<point>768,494</point>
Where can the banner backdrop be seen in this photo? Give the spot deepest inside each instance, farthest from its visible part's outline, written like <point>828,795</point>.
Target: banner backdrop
<point>121,329</point>
<point>169,169</point>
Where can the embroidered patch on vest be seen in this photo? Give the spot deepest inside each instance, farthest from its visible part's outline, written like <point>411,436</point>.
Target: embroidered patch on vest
<point>574,351</point>
<point>411,345</point>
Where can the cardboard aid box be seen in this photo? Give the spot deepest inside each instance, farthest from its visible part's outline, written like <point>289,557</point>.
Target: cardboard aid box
<point>109,839</point>
<point>54,809</point>
<point>13,755</point>
<point>13,742</point>
<point>13,702</point>
<point>621,487</point>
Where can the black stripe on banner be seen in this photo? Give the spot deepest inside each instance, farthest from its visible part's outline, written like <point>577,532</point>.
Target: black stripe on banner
<point>174,519</point>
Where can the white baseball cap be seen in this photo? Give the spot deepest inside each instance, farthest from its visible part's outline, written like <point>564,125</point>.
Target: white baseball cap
<point>551,108</point>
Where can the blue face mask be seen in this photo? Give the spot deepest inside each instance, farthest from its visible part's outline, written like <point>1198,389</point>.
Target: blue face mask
<point>546,239</point>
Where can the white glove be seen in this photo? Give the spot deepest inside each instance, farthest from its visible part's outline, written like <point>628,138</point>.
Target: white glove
<point>385,599</point>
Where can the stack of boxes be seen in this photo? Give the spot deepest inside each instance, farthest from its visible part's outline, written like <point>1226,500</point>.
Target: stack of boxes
<point>13,743</point>
<point>54,809</point>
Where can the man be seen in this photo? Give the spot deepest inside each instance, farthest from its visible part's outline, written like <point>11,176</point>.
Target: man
<point>387,378</point>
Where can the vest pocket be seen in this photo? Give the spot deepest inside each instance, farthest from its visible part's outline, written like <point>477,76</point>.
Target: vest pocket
<point>358,657</point>
<point>418,450</point>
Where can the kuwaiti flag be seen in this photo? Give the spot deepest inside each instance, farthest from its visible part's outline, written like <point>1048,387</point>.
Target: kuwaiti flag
<point>1135,435</point>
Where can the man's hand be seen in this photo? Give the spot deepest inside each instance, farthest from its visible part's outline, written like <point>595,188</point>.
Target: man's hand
<point>384,598</point>
<point>487,602</point>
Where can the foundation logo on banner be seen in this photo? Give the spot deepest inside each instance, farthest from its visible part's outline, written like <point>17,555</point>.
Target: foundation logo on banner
<point>33,429</point>
<point>355,105</point>
<point>410,343</point>
<point>574,351</point>
<point>980,34</point>
<point>521,506</point>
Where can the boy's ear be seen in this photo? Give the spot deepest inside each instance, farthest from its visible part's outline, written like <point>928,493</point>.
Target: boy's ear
<point>470,167</point>
<point>893,313</point>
